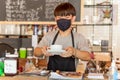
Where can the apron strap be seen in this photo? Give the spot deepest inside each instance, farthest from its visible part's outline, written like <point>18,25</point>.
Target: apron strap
<point>55,38</point>
<point>72,39</point>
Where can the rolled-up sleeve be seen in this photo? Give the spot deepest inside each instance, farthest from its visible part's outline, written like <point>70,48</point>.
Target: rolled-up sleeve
<point>44,42</point>
<point>47,39</point>
<point>83,44</point>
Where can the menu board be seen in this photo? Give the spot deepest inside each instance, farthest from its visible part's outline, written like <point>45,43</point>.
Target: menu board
<point>33,10</point>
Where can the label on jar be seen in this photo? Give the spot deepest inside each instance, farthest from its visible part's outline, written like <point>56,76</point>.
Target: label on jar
<point>10,66</point>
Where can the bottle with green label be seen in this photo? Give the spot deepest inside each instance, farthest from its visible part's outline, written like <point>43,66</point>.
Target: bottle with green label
<point>1,68</point>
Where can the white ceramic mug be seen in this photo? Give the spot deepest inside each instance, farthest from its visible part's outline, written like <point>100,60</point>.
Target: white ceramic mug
<point>56,47</point>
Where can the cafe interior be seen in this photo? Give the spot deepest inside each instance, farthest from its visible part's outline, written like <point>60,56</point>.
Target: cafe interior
<point>23,24</point>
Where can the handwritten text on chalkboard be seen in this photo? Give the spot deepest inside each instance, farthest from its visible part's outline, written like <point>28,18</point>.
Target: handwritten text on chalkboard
<point>32,10</point>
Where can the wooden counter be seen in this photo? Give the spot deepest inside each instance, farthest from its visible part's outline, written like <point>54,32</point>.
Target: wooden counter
<point>21,77</point>
<point>41,63</point>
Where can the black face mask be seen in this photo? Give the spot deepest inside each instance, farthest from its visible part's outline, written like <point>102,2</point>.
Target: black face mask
<point>63,24</point>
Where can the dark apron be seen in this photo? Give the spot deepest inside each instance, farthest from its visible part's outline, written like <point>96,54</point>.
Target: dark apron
<point>57,62</point>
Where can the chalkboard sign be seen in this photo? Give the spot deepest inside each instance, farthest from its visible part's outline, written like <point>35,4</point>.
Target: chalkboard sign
<point>33,11</point>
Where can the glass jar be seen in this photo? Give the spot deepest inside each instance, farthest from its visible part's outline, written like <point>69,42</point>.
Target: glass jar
<point>11,65</point>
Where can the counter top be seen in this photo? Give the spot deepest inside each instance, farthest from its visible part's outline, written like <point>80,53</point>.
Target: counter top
<point>80,68</point>
<point>21,77</point>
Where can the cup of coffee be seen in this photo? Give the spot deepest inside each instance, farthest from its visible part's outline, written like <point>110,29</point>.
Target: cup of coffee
<point>56,47</point>
<point>22,53</point>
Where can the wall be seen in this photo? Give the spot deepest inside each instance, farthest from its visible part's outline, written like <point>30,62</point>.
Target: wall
<point>116,31</point>
<point>87,31</point>
<point>94,15</point>
<point>103,32</point>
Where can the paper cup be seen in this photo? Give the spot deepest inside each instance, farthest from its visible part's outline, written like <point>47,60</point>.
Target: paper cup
<point>22,53</point>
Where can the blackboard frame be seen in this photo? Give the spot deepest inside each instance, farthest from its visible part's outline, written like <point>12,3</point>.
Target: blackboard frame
<point>47,22</point>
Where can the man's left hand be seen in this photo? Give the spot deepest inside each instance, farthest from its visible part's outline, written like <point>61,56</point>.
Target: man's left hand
<point>69,51</point>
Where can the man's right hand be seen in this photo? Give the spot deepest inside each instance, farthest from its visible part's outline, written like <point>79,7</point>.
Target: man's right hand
<point>44,51</point>
<point>37,51</point>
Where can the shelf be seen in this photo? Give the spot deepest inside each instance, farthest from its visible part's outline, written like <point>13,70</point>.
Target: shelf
<point>9,35</point>
<point>17,35</point>
<point>95,25</point>
<point>103,51</point>
<point>97,5</point>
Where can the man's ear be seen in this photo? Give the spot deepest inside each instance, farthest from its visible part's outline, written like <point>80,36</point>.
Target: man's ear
<point>73,18</point>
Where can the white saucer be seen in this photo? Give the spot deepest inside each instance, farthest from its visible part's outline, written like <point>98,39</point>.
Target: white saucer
<point>56,51</point>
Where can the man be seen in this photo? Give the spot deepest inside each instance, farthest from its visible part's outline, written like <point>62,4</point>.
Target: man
<point>74,44</point>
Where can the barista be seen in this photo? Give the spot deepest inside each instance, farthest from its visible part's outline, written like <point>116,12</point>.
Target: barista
<point>75,44</point>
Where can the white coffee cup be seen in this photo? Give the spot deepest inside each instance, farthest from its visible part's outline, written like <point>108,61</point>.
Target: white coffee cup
<point>56,47</point>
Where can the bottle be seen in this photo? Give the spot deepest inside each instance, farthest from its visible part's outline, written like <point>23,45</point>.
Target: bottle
<point>16,52</point>
<point>44,29</point>
<point>1,67</point>
<point>113,73</point>
<point>29,66</point>
<point>32,66</point>
<point>35,30</point>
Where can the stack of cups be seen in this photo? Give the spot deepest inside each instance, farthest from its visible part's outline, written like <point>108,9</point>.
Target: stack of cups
<point>29,52</point>
<point>25,53</point>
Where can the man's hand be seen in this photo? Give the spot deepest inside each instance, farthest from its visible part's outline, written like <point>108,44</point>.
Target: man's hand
<point>69,51</point>
<point>44,51</point>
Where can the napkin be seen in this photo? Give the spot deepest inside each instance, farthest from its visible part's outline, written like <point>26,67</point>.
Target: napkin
<point>55,75</point>
<point>95,76</point>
